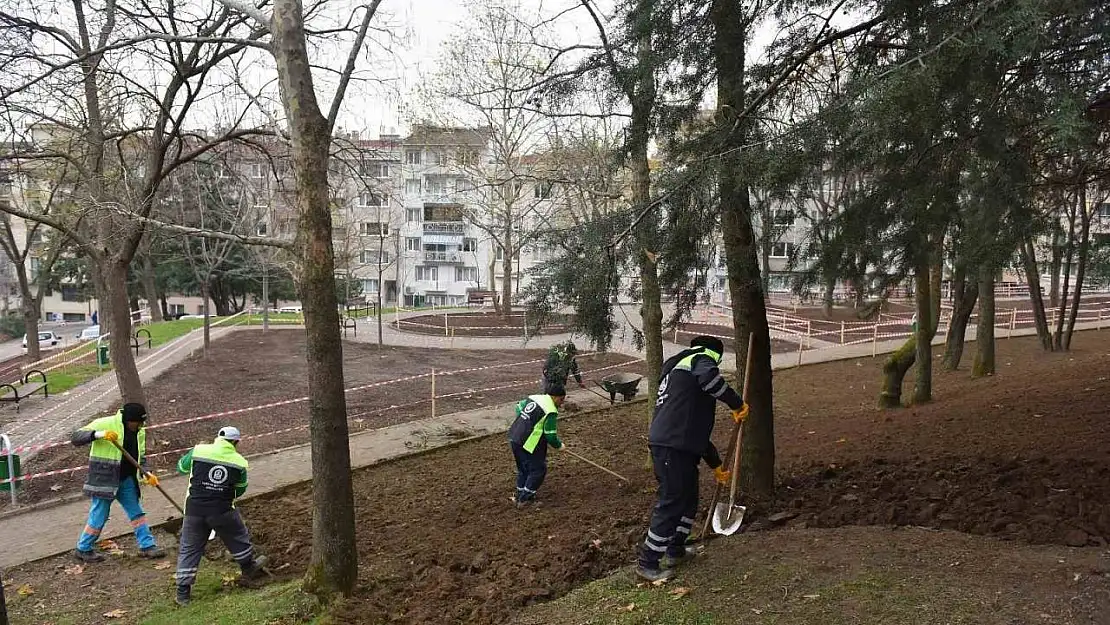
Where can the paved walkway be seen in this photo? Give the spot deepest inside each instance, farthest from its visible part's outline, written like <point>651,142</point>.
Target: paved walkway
<point>41,533</point>
<point>43,420</point>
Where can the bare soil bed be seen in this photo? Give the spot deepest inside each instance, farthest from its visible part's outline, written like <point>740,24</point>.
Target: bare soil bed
<point>1023,455</point>
<point>687,331</point>
<point>479,324</point>
<point>248,368</point>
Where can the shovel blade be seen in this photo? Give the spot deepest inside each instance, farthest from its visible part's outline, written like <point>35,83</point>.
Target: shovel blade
<point>727,519</point>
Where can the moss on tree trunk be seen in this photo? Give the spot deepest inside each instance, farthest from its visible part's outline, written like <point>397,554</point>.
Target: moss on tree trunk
<point>894,372</point>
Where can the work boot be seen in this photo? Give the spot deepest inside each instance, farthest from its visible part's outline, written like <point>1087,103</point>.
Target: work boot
<point>670,561</point>
<point>654,575</point>
<point>152,553</point>
<point>89,557</point>
<point>254,570</point>
<point>184,595</point>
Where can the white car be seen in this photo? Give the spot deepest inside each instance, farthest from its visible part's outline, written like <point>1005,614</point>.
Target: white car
<point>90,333</point>
<point>45,339</point>
<point>290,310</point>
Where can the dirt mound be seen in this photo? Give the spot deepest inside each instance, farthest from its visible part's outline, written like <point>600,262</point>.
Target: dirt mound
<point>1060,501</point>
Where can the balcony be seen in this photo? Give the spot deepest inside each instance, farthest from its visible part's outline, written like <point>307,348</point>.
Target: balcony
<point>454,228</point>
<point>443,257</point>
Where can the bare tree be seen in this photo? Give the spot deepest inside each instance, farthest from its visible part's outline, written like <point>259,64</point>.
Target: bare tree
<point>490,78</point>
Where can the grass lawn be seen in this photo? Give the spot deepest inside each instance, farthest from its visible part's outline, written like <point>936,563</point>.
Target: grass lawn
<point>65,378</point>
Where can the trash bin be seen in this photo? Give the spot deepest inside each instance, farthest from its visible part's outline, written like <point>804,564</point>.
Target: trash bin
<point>7,486</point>
<point>102,355</point>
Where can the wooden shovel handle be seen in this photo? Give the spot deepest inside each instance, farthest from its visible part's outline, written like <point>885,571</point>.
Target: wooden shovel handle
<point>135,463</point>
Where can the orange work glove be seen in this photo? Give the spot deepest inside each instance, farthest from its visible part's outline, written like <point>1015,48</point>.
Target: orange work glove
<point>722,475</point>
<point>739,415</point>
<point>149,479</point>
<point>111,437</point>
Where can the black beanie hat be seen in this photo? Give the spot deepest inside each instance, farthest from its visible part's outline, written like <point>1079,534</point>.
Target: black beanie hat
<point>134,412</point>
<point>709,342</point>
<point>557,390</point>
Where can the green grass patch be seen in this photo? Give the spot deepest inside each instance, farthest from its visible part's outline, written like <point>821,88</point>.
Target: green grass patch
<point>215,602</point>
<point>67,377</point>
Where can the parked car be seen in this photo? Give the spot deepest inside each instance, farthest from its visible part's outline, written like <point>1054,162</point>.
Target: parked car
<point>90,333</point>
<point>284,310</point>
<point>45,339</point>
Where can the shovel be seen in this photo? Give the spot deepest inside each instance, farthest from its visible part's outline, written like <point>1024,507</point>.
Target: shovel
<point>726,519</point>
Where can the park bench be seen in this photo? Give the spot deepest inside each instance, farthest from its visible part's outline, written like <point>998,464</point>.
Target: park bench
<point>479,297</point>
<point>138,339</point>
<point>12,393</point>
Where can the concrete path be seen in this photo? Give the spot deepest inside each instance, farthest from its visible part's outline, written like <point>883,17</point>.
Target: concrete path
<point>42,420</point>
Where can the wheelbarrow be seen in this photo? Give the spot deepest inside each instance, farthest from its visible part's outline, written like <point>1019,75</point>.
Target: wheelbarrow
<point>625,384</point>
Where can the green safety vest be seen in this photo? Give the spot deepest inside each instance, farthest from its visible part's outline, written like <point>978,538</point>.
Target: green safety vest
<point>105,458</point>
<point>545,424</point>
<point>217,476</point>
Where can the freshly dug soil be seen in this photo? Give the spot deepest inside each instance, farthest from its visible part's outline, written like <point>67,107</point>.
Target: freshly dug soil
<point>248,368</point>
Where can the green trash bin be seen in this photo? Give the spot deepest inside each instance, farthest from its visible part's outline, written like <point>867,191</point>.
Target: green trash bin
<point>7,486</point>
<point>102,355</point>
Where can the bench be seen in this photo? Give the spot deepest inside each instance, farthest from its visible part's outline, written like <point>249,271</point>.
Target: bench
<point>138,340</point>
<point>19,393</point>
<point>348,323</point>
<point>479,297</point>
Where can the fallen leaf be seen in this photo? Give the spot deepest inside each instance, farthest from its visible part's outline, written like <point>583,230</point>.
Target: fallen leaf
<point>843,440</point>
<point>596,543</point>
<point>227,580</point>
<point>162,566</point>
<point>757,611</point>
<point>628,608</point>
<point>811,596</point>
<point>659,582</point>
<point>114,614</point>
<point>680,592</point>
<point>75,569</point>
<point>56,487</point>
<point>25,590</point>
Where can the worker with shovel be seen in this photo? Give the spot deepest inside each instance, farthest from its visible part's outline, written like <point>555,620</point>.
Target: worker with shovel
<point>217,477</point>
<point>679,438</point>
<point>111,478</point>
<point>533,429</point>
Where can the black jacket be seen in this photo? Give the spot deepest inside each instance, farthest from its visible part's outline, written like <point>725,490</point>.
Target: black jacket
<point>689,387</point>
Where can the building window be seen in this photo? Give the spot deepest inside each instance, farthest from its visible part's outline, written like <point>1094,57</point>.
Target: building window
<point>542,190</point>
<point>470,245</point>
<point>435,158</point>
<point>1104,210</point>
<point>782,217</point>
<point>414,214</point>
<point>467,157</point>
<point>258,170</point>
<point>412,244</point>
<point>69,293</point>
<point>73,317</point>
<point>36,266</point>
<point>412,157</point>
<point>373,228</point>
<point>782,249</point>
<point>371,200</point>
<point>177,309</point>
<point>427,274</point>
<point>371,257</point>
<point>464,185</point>
<point>435,185</point>
<point>466,274</point>
<point>370,285</point>
<point>371,169</point>
<point>412,186</point>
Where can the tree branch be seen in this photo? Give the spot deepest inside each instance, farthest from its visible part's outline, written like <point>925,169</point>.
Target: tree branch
<point>352,60</point>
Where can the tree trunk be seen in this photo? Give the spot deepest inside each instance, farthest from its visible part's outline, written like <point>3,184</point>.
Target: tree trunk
<point>507,280</point>
<point>1056,263</point>
<point>31,327</point>
<point>964,297</point>
<point>1036,298</point>
<point>828,301</point>
<point>984,331</point>
<point>204,295</point>
<point>1069,256</point>
<point>926,326</point>
<point>334,565</point>
<point>115,307</point>
<point>745,283</point>
<point>165,306</point>
<point>150,289</point>
<point>380,340</point>
<point>493,283</point>
<point>894,373</point>
<point>1081,267</point>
